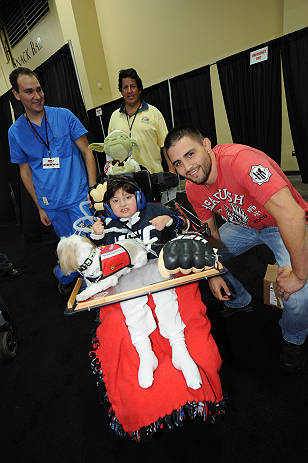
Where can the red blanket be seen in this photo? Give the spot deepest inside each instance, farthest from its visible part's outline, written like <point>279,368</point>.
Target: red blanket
<point>136,407</point>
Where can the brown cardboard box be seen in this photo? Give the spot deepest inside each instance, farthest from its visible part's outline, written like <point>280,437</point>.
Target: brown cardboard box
<point>269,285</point>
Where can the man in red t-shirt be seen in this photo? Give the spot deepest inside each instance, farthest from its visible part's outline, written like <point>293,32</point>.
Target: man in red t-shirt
<point>260,206</point>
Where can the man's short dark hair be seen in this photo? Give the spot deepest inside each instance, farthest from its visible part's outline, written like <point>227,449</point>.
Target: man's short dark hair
<point>132,73</point>
<point>18,72</point>
<point>181,131</point>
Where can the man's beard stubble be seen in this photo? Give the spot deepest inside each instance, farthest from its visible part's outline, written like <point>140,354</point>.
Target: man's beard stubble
<point>206,172</point>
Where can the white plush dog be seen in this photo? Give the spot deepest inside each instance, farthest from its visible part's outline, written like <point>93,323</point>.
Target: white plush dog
<point>78,253</point>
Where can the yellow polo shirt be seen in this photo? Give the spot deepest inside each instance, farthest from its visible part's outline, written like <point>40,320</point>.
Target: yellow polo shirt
<point>149,129</point>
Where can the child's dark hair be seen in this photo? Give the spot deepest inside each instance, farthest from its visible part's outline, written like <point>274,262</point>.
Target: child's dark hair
<point>119,181</point>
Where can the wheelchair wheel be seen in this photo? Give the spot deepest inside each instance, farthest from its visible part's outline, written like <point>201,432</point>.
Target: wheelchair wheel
<point>8,345</point>
<point>4,310</point>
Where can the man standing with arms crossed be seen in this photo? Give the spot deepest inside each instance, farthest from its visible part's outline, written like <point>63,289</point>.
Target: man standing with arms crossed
<point>260,206</point>
<point>51,148</point>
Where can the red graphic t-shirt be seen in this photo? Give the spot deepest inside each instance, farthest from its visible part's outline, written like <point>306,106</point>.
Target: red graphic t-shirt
<point>246,180</point>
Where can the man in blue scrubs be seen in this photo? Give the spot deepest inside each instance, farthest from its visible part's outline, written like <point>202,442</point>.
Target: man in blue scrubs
<point>51,148</point>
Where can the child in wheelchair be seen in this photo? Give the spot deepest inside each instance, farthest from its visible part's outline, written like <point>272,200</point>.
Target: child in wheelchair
<point>128,215</point>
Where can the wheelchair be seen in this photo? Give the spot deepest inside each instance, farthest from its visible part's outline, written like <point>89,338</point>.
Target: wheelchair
<point>133,411</point>
<point>162,188</point>
<point>8,341</point>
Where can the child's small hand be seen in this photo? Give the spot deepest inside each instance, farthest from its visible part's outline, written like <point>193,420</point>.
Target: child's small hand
<point>98,227</point>
<point>160,222</point>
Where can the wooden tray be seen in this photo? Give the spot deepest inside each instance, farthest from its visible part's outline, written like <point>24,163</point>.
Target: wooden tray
<point>110,296</point>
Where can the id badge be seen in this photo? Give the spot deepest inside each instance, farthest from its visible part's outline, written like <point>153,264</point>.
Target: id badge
<point>51,163</point>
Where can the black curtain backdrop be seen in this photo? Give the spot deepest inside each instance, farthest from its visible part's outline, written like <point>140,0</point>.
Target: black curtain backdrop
<point>8,171</point>
<point>99,126</point>
<point>252,97</point>
<point>158,95</point>
<point>17,106</point>
<point>58,78</point>
<point>107,110</point>
<point>192,101</point>
<point>28,214</point>
<point>97,135</point>
<point>98,132</point>
<point>294,52</point>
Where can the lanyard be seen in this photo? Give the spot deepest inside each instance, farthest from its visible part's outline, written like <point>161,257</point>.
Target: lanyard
<point>37,135</point>
<point>128,117</point>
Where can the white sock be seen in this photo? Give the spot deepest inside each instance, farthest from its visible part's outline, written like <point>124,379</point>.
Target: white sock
<point>182,361</point>
<point>148,362</point>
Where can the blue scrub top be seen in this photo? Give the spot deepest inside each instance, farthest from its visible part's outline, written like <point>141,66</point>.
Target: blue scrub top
<point>62,186</point>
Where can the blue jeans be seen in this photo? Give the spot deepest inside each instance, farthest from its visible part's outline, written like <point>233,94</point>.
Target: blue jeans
<point>5,264</point>
<point>235,240</point>
<point>62,221</point>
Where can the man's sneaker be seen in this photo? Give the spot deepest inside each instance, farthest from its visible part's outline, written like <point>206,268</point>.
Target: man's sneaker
<point>227,311</point>
<point>293,356</point>
<point>13,272</point>
<point>65,290</point>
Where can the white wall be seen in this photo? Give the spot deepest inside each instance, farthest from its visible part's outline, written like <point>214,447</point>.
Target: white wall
<point>165,38</point>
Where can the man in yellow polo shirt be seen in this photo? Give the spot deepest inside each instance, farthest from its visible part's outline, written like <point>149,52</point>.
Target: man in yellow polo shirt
<point>141,121</point>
